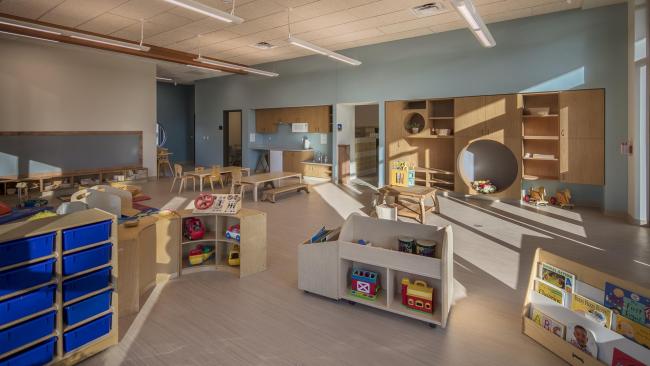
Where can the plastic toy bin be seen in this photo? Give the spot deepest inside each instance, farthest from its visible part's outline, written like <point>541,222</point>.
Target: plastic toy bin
<point>29,331</point>
<point>26,249</point>
<point>86,284</point>
<point>26,304</point>
<point>40,354</point>
<point>87,333</point>
<point>86,259</point>
<point>80,311</point>
<point>26,276</point>
<point>86,235</point>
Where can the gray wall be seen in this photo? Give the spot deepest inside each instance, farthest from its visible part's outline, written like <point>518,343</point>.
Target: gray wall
<point>567,50</point>
<point>175,106</point>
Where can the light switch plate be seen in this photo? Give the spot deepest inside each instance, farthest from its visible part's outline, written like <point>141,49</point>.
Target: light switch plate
<point>323,139</point>
<point>251,137</point>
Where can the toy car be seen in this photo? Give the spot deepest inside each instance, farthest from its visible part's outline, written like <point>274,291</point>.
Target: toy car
<point>233,255</point>
<point>233,232</point>
<point>194,228</point>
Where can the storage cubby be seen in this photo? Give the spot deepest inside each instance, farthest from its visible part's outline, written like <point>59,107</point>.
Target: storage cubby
<point>396,296</point>
<point>441,114</point>
<point>541,137</point>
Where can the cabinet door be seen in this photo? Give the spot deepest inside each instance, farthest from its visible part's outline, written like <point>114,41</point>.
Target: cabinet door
<point>503,116</point>
<point>582,137</point>
<point>261,119</point>
<point>469,116</point>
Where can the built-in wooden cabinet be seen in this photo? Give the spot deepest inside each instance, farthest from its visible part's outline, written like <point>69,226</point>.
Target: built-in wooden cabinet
<point>469,116</point>
<point>317,170</point>
<point>292,160</point>
<point>318,118</point>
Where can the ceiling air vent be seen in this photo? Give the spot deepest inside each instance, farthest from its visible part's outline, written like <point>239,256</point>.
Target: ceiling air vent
<point>429,9</point>
<point>264,45</point>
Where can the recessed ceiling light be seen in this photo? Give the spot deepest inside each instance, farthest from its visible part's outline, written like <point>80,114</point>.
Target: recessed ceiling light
<point>264,45</point>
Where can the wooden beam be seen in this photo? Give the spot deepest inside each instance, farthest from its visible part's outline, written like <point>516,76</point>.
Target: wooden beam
<point>155,52</point>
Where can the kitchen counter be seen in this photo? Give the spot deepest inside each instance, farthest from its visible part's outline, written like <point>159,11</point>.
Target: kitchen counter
<point>276,148</point>
<point>316,163</point>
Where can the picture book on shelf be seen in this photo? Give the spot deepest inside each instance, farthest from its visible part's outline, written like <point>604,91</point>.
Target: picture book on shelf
<point>627,303</point>
<point>632,330</point>
<point>591,310</point>
<point>621,358</point>
<point>547,322</point>
<point>582,338</point>
<point>552,292</point>
<point>557,277</point>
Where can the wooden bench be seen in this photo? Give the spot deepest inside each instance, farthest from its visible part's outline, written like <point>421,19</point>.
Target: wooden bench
<point>269,194</point>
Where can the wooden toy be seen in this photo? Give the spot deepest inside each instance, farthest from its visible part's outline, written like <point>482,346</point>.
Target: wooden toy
<point>563,198</point>
<point>194,228</point>
<point>200,254</point>
<point>365,284</point>
<point>233,255</point>
<point>417,295</point>
<point>233,232</point>
<point>537,195</point>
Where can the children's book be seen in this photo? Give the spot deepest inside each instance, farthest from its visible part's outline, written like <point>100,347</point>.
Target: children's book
<point>319,236</point>
<point>582,338</point>
<point>591,310</point>
<point>627,303</point>
<point>547,322</point>
<point>621,358</point>
<point>557,277</point>
<point>552,292</point>
<point>633,330</point>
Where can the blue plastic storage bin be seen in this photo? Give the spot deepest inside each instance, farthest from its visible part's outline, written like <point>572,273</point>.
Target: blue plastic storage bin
<point>26,304</point>
<point>86,259</point>
<point>25,277</point>
<point>86,284</point>
<point>29,331</point>
<point>40,354</point>
<point>26,249</point>
<point>87,333</point>
<point>82,310</point>
<point>86,235</point>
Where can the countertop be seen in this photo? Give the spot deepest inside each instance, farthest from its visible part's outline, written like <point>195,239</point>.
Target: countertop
<point>315,163</point>
<point>276,148</point>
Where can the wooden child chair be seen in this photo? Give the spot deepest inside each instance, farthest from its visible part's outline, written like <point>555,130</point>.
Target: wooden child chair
<point>236,186</point>
<point>216,176</point>
<point>178,174</point>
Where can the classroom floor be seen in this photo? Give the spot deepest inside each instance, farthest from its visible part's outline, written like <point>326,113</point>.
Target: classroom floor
<point>212,318</point>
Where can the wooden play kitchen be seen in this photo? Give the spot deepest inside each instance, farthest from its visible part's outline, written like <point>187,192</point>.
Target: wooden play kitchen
<point>364,265</point>
<point>552,136</point>
<point>58,288</point>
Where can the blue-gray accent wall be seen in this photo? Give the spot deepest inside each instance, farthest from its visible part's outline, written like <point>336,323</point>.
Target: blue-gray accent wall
<point>175,112</point>
<point>568,50</point>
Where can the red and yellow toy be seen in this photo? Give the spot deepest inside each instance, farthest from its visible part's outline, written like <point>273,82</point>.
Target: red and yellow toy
<point>200,254</point>
<point>417,295</point>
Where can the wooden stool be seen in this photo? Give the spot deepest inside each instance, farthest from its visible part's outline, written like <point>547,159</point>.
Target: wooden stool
<point>163,160</point>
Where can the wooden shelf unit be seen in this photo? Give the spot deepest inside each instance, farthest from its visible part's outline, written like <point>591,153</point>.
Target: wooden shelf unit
<point>57,225</point>
<point>252,244</point>
<point>324,268</point>
<point>541,135</point>
<point>587,280</point>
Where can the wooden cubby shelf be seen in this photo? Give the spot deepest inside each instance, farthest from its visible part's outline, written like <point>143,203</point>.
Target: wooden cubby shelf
<point>551,138</point>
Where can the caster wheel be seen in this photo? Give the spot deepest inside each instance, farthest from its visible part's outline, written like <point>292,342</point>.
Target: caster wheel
<point>351,302</point>
<point>305,291</point>
<point>432,326</point>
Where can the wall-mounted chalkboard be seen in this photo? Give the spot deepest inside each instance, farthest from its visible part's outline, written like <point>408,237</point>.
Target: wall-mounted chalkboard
<point>28,153</point>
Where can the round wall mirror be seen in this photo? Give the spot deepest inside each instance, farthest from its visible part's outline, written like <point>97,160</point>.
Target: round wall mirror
<point>488,160</point>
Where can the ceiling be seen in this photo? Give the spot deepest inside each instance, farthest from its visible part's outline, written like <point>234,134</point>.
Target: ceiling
<point>334,24</point>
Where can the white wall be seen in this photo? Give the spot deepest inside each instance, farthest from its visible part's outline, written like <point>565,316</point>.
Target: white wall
<point>53,87</point>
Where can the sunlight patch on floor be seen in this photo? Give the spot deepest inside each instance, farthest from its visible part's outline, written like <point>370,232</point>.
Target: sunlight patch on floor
<point>340,201</point>
<point>542,219</point>
<point>175,204</point>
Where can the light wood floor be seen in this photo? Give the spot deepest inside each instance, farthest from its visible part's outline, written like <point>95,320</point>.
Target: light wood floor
<point>214,318</point>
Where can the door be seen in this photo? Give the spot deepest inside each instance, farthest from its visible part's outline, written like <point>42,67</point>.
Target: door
<point>344,164</point>
<point>232,138</point>
<point>469,116</point>
<point>582,136</point>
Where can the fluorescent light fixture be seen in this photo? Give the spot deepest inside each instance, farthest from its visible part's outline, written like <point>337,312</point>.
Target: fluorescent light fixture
<point>164,79</point>
<point>34,27</point>
<point>202,68</point>
<point>466,9</point>
<point>110,42</point>
<point>207,10</point>
<point>235,67</point>
<point>32,37</point>
<point>323,51</point>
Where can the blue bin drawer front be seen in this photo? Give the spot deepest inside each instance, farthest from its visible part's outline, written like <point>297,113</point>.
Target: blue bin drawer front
<point>27,304</point>
<point>87,333</point>
<point>29,331</point>
<point>86,284</point>
<point>25,277</point>
<point>77,312</point>
<point>40,354</point>
<point>86,235</point>
<point>86,259</point>
<point>22,250</point>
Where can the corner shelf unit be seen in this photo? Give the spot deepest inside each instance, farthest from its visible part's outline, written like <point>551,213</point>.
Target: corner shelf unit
<point>325,268</point>
<point>252,244</point>
<point>541,135</point>
<point>58,288</point>
<point>590,283</point>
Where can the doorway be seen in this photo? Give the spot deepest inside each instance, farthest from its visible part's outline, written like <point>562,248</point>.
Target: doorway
<point>358,127</point>
<point>232,138</point>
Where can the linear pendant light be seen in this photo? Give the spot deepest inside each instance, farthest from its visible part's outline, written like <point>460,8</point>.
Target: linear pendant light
<point>110,42</point>
<point>466,9</point>
<point>323,51</point>
<point>207,10</point>
<point>235,67</point>
<point>31,27</point>
<point>31,37</point>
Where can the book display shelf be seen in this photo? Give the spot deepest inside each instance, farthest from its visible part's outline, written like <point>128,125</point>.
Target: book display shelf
<point>326,268</point>
<point>58,288</point>
<point>591,284</point>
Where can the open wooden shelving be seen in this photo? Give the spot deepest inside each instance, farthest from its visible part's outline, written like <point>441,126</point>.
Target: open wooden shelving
<point>541,135</point>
